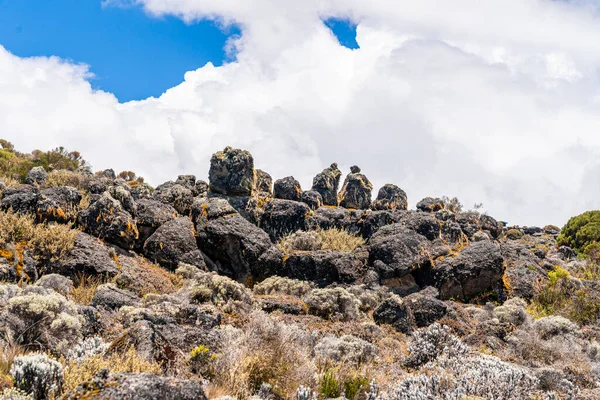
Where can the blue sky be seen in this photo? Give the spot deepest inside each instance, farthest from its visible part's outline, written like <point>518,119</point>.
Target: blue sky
<point>131,54</point>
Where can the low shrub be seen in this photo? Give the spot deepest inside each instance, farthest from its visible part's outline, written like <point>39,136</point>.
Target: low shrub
<point>346,350</point>
<point>321,239</point>
<point>330,387</point>
<point>278,284</point>
<point>580,231</point>
<point>336,304</point>
<point>15,228</point>
<point>429,343</point>
<point>63,177</point>
<point>227,294</point>
<point>50,243</point>
<point>38,375</point>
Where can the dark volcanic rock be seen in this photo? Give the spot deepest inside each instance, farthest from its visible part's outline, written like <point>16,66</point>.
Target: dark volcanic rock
<point>58,204</point>
<point>177,196</point>
<point>477,268</point>
<point>36,175</point>
<point>471,222</point>
<point>173,242</point>
<point>325,266</point>
<point>425,306</point>
<point>393,311</point>
<point>312,199</point>
<point>523,270</point>
<point>151,214</point>
<point>106,219</point>
<point>106,386</point>
<point>89,256</point>
<point>187,181</point>
<point>264,183</point>
<point>390,197</point>
<point>430,204</point>
<point>110,296</point>
<point>201,189</point>
<point>238,248</point>
<point>21,199</point>
<point>232,172</point>
<point>124,197</point>
<point>282,217</point>
<point>326,183</point>
<point>287,188</point>
<point>142,191</point>
<point>356,191</point>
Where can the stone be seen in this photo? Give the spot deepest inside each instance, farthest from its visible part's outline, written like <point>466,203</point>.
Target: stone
<point>200,189</point>
<point>232,172</point>
<point>108,174</point>
<point>176,195</point>
<point>326,183</point>
<point>356,191</point>
<point>20,198</point>
<point>282,217</point>
<point>109,296</point>
<point>172,243</point>
<point>142,191</point>
<point>393,311</point>
<point>36,176</point>
<point>124,197</point>
<point>106,386</point>
<point>430,204</point>
<point>58,204</point>
<point>264,183</point>
<point>312,199</point>
<point>566,253</point>
<point>325,267</point>
<point>151,214</point>
<point>479,267</point>
<point>56,282</point>
<point>425,306</point>
<point>187,181</point>
<point>106,219</point>
<point>390,197</point>
<point>88,256</point>
<point>287,188</point>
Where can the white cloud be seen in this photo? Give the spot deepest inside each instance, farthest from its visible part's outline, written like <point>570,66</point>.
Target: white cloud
<point>495,102</point>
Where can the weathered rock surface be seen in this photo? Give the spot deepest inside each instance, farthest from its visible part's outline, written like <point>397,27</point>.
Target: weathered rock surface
<point>20,198</point>
<point>287,188</point>
<point>393,311</point>
<point>89,256</point>
<point>430,204</point>
<point>282,217</point>
<point>356,191</point>
<point>36,175</point>
<point>232,172</point>
<point>174,242</point>
<point>58,204</point>
<point>326,183</point>
<point>151,214</point>
<point>312,199</point>
<point>111,297</point>
<point>264,183</point>
<point>390,197</point>
<point>176,195</point>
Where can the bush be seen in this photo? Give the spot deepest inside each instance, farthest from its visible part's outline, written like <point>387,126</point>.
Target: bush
<point>87,348</point>
<point>278,284</point>
<point>548,327</point>
<point>512,311</point>
<point>334,304</point>
<point>45,319</point>
<point>84,370</point>
<point>345,350</point>
<point>227,294</point>
<point>63,177</point>
<point>430,343</point>
<point>50,243</point>
<point>330,386</point>
<point>38,375</point>
<point>15,228</point>
<point>321,239</point>
<point>580,231</point>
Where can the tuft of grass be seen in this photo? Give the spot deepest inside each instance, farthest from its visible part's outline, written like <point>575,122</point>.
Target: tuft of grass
<point>334,239</point>
<point>63,177</point>
<point>84,288</point>
<point>330,387</point>
<point>7,354</point>
<point>50,243</point>
<point>76,373</point>
<point>15,228</point>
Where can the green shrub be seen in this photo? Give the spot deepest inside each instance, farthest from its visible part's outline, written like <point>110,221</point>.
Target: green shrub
<point>330,386</point>
<point>581,231</point>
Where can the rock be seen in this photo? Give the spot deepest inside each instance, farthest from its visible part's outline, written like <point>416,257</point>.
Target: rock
<point>532,230</point>
<point>232,172</point>
<point>58,204</point>
<point>325,266</point>
<point>326,183</point>
<point>201,189</point>
<point>36,176</point>
<point>20,198</point>
<point>471,222</point>
<point>249,207</point>
<point>523,270</point>
<point>124,197</point>
<point>106,219</point>
<point>238,248</point>
<point>282,217</point>
<point>105,386</point>
<point>514,234</point>
<point>480,236</point>
<point>187,181</point>
<point>340,218</point>
<point>285,304</point>
<point>425,307</point>
<point>390,197</point>
<point>109,296</point>
<point>173,242</point>
<point>264,183</point>
<point>312,199</point>
<point>142,191</point>
<point>89,256</point>
<point>551,230</point>
<point>151,214</point>
<point>56,282</point>
<point>394,312</point>
<point>287,188</point>
<point>108,174</point>
<point>477,268</point>
<point>356,191</point>
<point>430,204</point>
<point>177,196</point>
<point>98,186</point>
<point>566,253</point>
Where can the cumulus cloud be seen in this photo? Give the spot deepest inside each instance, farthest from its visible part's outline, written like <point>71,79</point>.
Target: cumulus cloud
<point>494,102</point>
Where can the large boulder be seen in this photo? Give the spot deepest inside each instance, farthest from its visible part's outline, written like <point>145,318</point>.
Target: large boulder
<point>124,196</point>
<point>20,198</point>
<point>390,197</point>
<point>176,195</point>
<point>524,272</point>
<point>232,172</point>
<point>58,204</point>
<point>356,191</point>
<point>174,242</point>
<point>426,307</point>
<point>282,217</point>
<point>312,199</point>
<point>326,183</point>
<point>472,222</point>
<point>142,191</point>
<point>36,176</point>
<point>325,267</point>
<point>430,204</point>
<point>237,247</point>
<point>287,188</point>
<point>88,256</point>
<point>187,181</point>
<point>106,219</point>
<point>479,267</point>
<point>151,214</point>
<point>264,183</point>
<point>111,297</point>
<point>393,311</point>
<point>107,386</point>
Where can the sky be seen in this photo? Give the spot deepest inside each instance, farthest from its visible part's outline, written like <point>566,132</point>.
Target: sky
<point>495,102</point>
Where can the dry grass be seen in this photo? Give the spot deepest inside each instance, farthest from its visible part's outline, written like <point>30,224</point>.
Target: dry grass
<point>8,181</point>
<point>321,239</point>
<point>144,277</point>
<point>128,361</point>
<point>84,288</point>
<point>52,242</point>
<point>7,353</point>
<point>64,177</point>
<point>15,228</point>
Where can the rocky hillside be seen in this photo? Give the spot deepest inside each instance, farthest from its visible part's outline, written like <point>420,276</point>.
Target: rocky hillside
<point>247,288</point>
